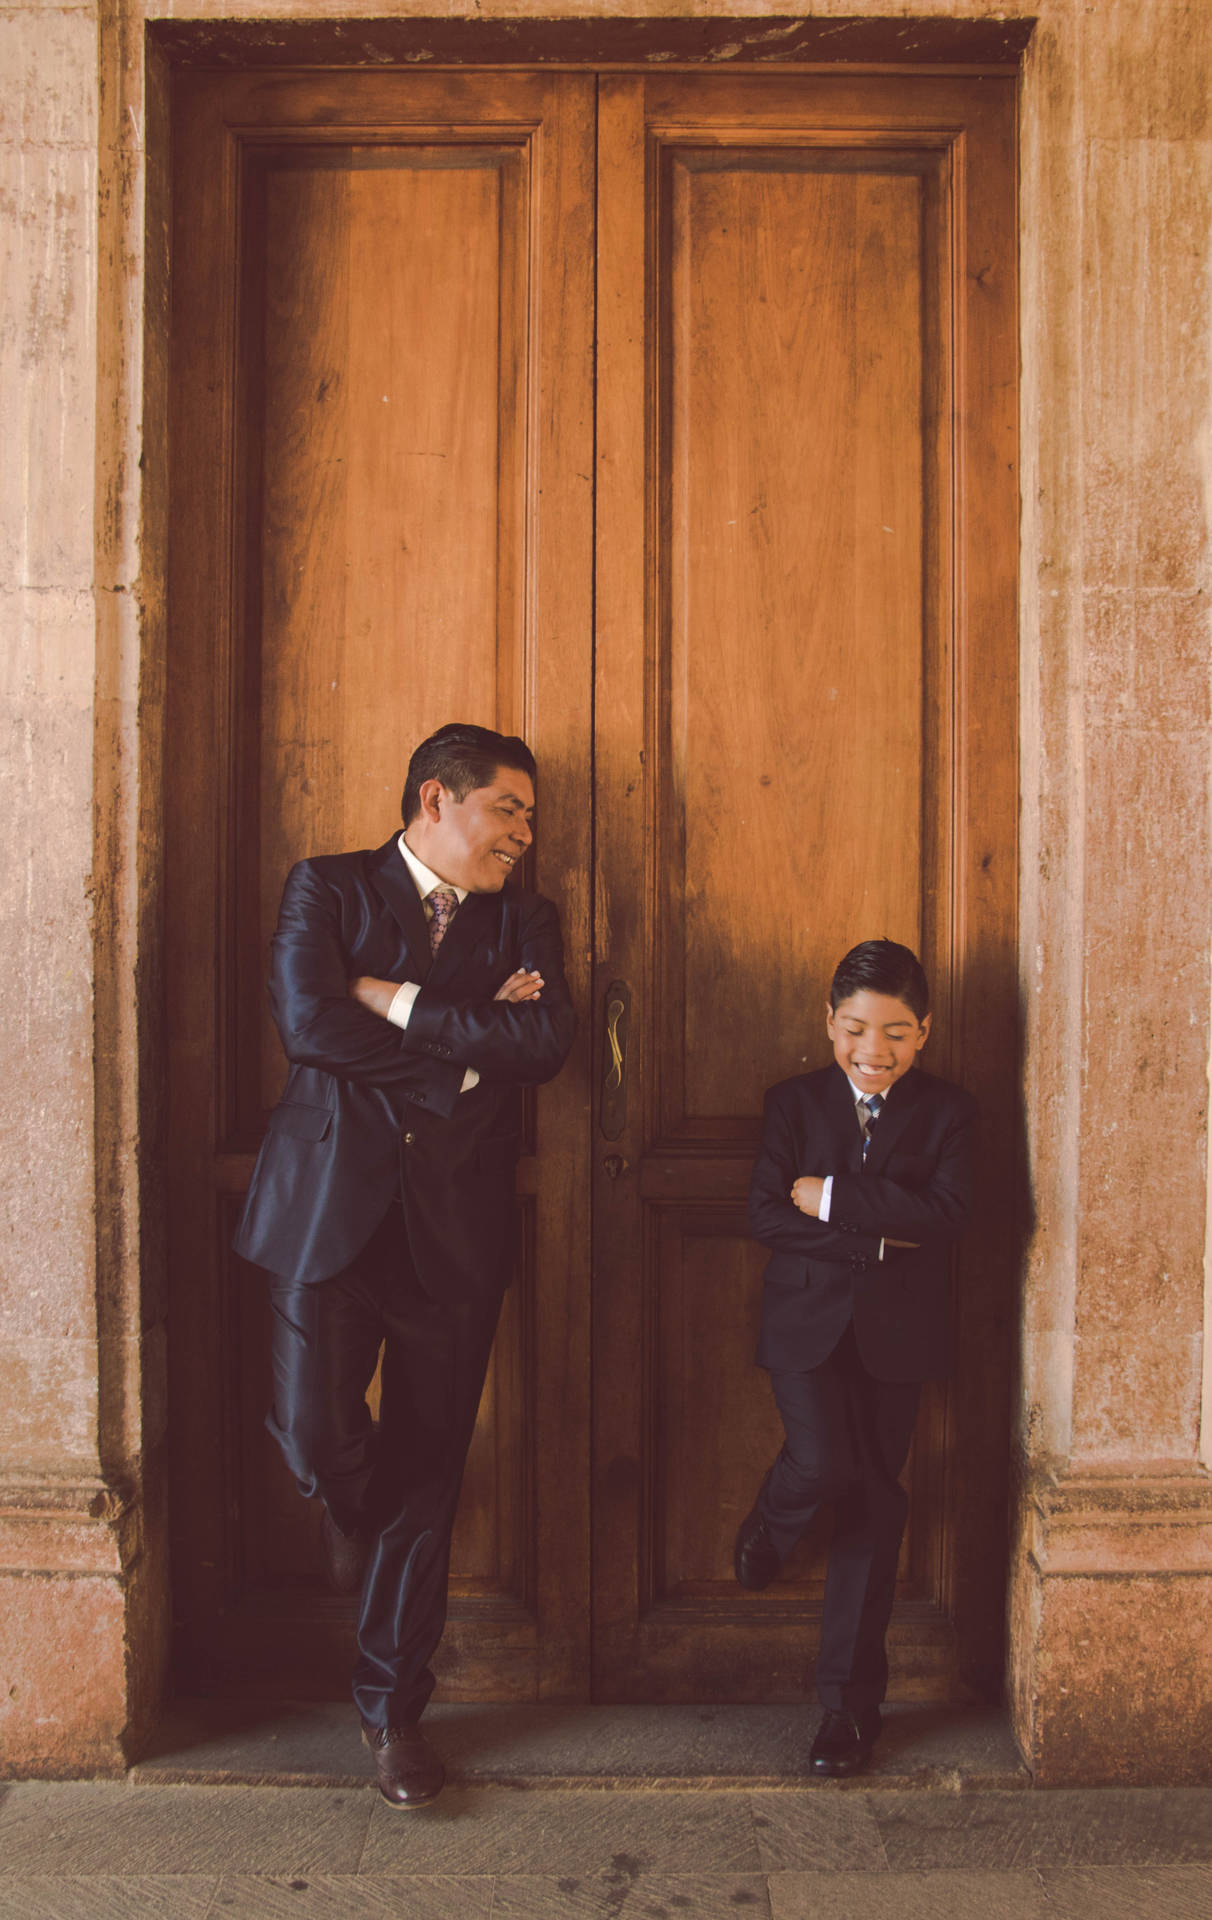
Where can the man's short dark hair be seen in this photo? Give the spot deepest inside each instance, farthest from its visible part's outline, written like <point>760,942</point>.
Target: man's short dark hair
<point>462,757</point>
<point>881,966</point>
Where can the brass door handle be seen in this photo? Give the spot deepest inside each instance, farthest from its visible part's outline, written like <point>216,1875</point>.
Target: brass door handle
<point>613,1115</point>
<point>614,1075</point>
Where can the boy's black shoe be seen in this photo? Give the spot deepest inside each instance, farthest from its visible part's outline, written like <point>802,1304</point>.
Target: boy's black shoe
<point>844,1741</point>
<point>755,1557</point>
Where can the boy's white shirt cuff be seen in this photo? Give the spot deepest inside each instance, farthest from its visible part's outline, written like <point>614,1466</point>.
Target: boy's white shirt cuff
<point>822,1212</point>
<point>400,1013</point>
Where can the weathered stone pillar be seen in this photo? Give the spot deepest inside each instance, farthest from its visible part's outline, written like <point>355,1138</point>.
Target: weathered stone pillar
<point>79,1600</point>
<point>1112,1596</point>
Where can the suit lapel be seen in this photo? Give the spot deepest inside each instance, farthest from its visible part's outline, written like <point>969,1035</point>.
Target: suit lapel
<point>897,1113</point>
<point>397,889</point>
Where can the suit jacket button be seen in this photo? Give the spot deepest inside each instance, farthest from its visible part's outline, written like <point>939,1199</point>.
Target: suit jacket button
<point>409,1138</point>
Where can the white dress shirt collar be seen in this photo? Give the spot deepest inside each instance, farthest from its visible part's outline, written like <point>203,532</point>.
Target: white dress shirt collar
<point>858,1092</point>
<point>424,876</point>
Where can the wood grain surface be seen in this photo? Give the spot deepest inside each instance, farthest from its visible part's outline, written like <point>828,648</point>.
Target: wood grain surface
<point>793,713</point>
<point>667,418</point>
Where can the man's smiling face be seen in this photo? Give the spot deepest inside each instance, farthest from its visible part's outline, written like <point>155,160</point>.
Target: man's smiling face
<point>475,843</point>
<point>876,1039</point>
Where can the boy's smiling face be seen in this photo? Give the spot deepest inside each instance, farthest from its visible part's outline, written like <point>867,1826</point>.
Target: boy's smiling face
<point>876,1039</point>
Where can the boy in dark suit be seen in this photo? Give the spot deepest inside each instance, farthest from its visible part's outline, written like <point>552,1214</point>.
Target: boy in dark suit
<point>862,1181</point>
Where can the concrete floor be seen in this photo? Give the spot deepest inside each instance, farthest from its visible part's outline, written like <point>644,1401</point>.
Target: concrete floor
<point>592,1813</point>
<point>318,1744</point>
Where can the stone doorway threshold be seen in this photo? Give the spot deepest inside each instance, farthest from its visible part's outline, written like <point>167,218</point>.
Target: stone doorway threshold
<point>281,1744</point>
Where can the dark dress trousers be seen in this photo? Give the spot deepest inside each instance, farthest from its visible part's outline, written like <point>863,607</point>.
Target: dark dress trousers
<point>382,1204</point>
<point>848,1337</point>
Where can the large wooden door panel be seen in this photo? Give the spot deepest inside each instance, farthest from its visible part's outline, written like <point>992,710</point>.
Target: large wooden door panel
<point>791,651</point>
<point>383,326</point>
<point>389,364</point>
<point>804,413</point>
<point>761,635</point>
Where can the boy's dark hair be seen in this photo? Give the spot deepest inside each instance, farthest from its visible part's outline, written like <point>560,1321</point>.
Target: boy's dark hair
<point>881,966</point>
<point>462,757</point>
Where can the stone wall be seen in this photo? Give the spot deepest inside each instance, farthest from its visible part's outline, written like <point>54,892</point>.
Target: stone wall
<point>1112,1600</point>
<point>1111,1603</point>
<point>82,1595</point>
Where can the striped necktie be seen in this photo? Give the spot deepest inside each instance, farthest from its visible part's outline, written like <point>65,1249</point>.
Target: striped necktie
<point>870,1110</point>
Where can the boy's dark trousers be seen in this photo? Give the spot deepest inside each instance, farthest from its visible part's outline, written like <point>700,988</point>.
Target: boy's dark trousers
<point>397,1484</point>
<point>847,1439</point>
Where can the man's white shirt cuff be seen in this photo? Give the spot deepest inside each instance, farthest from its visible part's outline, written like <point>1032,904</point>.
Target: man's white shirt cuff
<point>400,1010</point>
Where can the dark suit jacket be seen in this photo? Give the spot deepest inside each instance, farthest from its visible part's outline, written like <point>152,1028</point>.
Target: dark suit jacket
<point>371,1109</point>
<point>916,1185</point>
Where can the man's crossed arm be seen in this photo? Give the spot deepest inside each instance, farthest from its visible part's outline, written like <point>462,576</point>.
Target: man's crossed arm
<point>377,995</point>
<point>522,1034</point>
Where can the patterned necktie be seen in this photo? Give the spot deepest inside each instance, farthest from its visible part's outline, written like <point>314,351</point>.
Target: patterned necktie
<point>442,903</point>
<point>870,1110</point>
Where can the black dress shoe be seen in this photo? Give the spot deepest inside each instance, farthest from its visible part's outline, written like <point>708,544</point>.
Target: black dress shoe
<point>755,1557</point>
<point>410,1772</point>
<point>844,1741</point>
<point>345,1556</point>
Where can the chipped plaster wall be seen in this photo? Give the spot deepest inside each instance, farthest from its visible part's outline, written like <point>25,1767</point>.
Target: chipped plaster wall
<point>1112,1588</point>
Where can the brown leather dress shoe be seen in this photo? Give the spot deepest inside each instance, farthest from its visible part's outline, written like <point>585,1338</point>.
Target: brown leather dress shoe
<point>410,1772</point>
<point>755,1557</point>
<point>844,1741</point>
<point>345,1556</point>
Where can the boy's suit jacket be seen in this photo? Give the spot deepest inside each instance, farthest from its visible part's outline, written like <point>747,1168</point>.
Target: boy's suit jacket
<point>916,1185</point>
<point>370,1109</point>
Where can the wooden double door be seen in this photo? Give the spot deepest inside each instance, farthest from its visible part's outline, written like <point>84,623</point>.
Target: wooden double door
<point>669,420</point>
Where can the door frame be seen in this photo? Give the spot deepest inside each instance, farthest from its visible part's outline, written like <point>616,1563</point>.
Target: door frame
<point>602,46</point>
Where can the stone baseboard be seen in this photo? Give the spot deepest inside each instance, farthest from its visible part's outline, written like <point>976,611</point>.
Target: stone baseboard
<point>70,1580</point>
<point>1111,1627</point>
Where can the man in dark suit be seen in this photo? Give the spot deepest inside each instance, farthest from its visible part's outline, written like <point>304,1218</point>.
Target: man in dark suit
<point>862,1182</point>
<point>415,996</point>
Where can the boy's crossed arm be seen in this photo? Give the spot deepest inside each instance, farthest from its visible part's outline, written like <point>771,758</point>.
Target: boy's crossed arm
<point>865,1208</point>
<point>773,1217</point>
<point>938,1210</point>
<point>807,1194</point>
